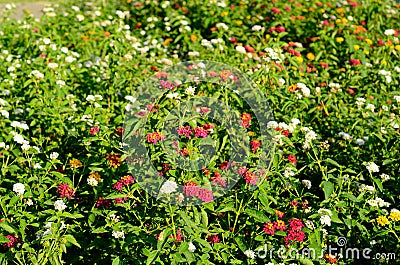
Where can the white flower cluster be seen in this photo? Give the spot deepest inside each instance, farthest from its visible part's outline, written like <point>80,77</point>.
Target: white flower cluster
<point>168,187</point>
<point>325,216</point>
<point>372,167</point>
<point>118,234</point>
<point>387,75</point>
<point>19,189</point>
<point>310,135</point>
<point>345,136</point>
<point>367,188</point>
<point>304,89</point>
<point>378,202</point>
<point>274,55</point>
<point>59,205</point>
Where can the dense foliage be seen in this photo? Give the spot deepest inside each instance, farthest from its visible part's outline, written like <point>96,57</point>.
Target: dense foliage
<point>329,71</point>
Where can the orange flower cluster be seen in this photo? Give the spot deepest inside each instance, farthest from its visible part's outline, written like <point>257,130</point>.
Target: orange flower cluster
<point>115,160</point>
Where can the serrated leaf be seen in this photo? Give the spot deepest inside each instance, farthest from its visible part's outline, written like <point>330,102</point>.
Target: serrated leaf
<point>257,215</point>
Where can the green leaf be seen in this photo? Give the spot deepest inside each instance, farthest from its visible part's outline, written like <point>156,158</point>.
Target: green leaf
<point>306,261</point>
<point>152,256</point>
<point>71,239</point>
<point>161,241</point>
<point>257,215</point>
<point>378,182</point>
<point>116,261</point>
<point>332,162</point>
<point>328,188</point>
<point>240,244</point>
<point>72,216</point>
<point>8,228</point>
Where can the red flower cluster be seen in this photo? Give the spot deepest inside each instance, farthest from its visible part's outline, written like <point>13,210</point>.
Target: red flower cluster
<point>255,145</point>
<point>101,202</point>
<point>248,176</point>
<point>65,191</point>
<point>124,181</point>
<point>94,130</point>
<point>246,120</point>
<point>295,232</point>
<point>213,239</point>
<point>292,159</point>
<point>200,132</point>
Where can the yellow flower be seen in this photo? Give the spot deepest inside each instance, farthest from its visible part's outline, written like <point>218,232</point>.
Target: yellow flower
<point>368,41</point>
<point>338,21</point>
<point>242,3</point>
<point>310,56</point>
<point>383,62</point>
<point>294,68</point>
<point>267,36</point>
<point>339,10</point>
<point>239,22</point>
<point>356,47</point>
<point>312,10</point>
<point>344,20</point>
<point>212,12</point>
<point>366,52</point>
<point>397,47</point>
<point>382,220</point>
<point>299,59</point>
<point>75,163</point>
<point>96,176</point>
<point>224,14</point>
<point>339,39</point>
<point>394,215</point>
<point>322,10</point>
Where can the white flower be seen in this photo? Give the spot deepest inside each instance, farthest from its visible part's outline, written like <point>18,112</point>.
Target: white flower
<point>168,187</point>
<point>240,49</point>
<point>37,166</point>
<point>120,14</point>
<point>397,98</point>
<point>372,167</point>
<point>257,28</point>
<point>90,98</point>
<point>370,107</point>
<point>114,218</point>
<point>191,247</point>
<point>222,26</point>
<point>131,99</point>
<point>52,65</point>
<point>19,139</point>
<point>367,188</point>
<point>384,177</point>
<point>59,205</point>
<point>345,136</point>
<point>54,155</point>
<point>360,142</point>
<point>193,54</point>
<point>29,202</point>
<point>19,188</point>
<point>360,101</point>
<point>21,125</point>
<point>306,183</point>
<point>281,81</point>
<point>304,89</point>
<point>92,182</point>
<point>250,254</point>
<point>288,172</point>
<point>378,202</point>
<point>98,97</point>
<point>272,125</point>
<point>118,234</point>
<point>390,32</point>
<point>64,50</point>
<point>60,82</point>
<point>190,90</point>
<point>324,211</point>
<point>5,113</point>
<point>69,59</point>
<point>325,220</point>
<point>80,17</point>
<point>25,147</point>
<point>37,74</point>
<point>310,136</point>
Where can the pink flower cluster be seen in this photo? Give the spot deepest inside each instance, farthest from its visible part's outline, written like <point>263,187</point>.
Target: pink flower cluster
<point>248,176</point>
<point>277,29</point>
<point>218,180</point>
<point>124,181</point>
<point>155,137</point>
<point>12,243</point>
<point>65,191</point>
<point>191,189</point>
<point>200,132</point>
